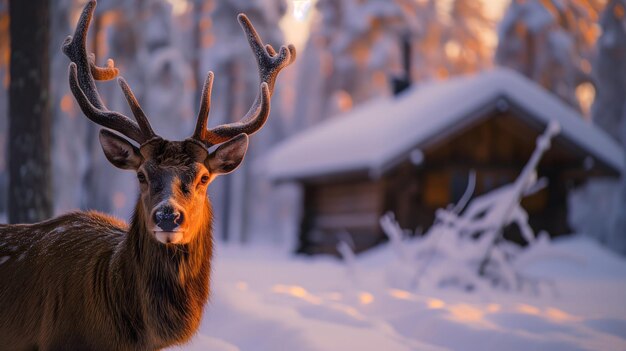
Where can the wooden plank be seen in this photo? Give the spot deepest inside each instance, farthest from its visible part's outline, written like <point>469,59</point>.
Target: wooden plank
<point>346,221</point>
<point>346,198</point>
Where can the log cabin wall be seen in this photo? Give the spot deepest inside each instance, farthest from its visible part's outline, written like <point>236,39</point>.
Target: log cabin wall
<point>403,197</point>
<point>336,209</point>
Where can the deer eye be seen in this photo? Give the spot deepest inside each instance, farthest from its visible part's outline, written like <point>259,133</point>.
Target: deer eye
<point>141,177</point>
<point>204,179</point>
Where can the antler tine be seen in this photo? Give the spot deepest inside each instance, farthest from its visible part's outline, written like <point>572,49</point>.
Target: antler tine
<point>83,72</point>
<point>102,73</point>
<point>225,132</point>
<point>269,64</point>
<point>140,116</point>
<point>205,107</point>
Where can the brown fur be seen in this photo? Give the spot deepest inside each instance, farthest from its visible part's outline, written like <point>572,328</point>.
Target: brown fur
<point>86,281</point>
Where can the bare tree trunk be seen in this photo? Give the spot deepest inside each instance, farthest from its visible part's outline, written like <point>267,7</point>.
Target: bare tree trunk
<point>29,112</point>
<point>4,108</point>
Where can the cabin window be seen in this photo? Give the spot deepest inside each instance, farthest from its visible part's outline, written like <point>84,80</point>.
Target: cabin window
<point>536,202</point>
<point>437,189</point>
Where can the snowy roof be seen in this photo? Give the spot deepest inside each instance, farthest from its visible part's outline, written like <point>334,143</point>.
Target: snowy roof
<point>370,136</point>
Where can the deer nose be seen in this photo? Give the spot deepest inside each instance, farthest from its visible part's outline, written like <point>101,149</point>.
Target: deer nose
<point>168,219</point>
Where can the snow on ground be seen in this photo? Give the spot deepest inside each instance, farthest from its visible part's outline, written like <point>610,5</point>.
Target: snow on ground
<point>266,300</point>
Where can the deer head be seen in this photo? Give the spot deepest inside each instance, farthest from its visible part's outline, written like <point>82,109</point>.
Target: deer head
<point>173,175</point>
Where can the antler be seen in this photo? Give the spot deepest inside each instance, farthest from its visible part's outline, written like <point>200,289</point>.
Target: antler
<point>269,64</point>
<point>83,72</point>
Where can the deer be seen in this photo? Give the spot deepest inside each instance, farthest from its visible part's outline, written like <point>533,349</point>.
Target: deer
<point>89,281</point>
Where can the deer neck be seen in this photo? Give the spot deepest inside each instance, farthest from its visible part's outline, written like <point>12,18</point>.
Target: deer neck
<point>178,262</point>
<point>170,282</point>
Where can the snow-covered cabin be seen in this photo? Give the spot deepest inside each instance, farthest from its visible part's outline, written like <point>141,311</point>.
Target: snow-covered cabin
<point>412,154</point>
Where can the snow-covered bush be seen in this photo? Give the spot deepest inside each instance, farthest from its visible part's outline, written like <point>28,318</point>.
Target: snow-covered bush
<point>591,205</point>
<point>465,248</point>
<point>448,257</point>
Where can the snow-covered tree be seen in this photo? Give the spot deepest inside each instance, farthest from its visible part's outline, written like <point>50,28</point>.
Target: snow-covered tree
<point>465,44</point>
<point>609,109</point>
<point>315,67</point>
<point>167,78</point>
<point>366,49</point>
<point>551,42</point>
<point>355,46</point>
<point>598,208</point>
<point>352,49</point>
<point>609,70</point>
<point>451,41</point>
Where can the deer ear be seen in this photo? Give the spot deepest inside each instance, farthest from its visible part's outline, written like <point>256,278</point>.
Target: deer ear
<point>228,156</point>
<point>119,152</point>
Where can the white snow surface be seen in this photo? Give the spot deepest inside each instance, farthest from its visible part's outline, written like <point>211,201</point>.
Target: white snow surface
<point>378,132</point>
<point>267,300</point>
